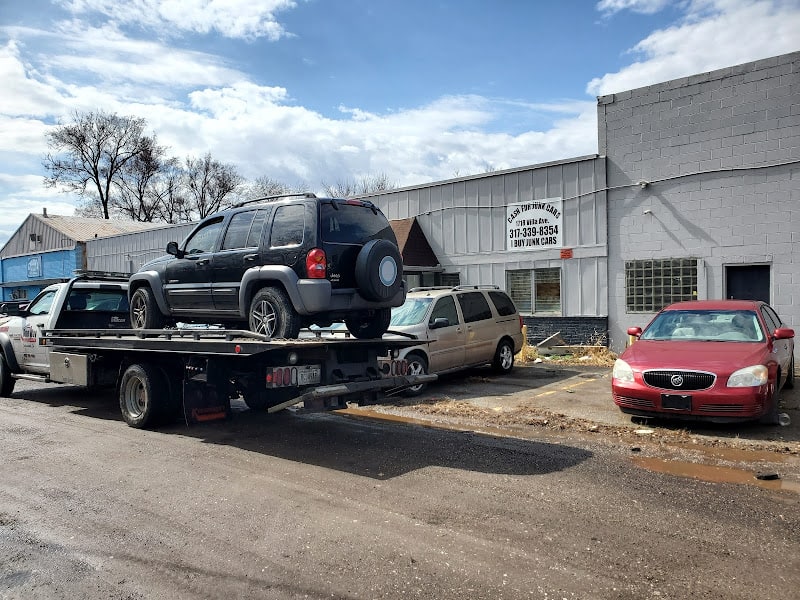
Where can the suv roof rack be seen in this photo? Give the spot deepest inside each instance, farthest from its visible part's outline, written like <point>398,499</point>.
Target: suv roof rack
<point>429,288</point>
<point>476,287</point>
<point>275,197</point>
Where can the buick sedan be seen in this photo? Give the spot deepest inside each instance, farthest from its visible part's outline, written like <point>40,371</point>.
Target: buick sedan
<point>715,360</point>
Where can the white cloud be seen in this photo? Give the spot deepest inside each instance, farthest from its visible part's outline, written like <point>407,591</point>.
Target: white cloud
<point>647,7</point>
<point>713,34</point>
<point>231,18</point>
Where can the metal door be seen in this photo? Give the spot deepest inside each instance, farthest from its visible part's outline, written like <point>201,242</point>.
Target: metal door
<point>747,282</point>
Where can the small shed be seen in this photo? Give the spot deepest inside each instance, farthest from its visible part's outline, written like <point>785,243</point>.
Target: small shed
<point>49,248</point>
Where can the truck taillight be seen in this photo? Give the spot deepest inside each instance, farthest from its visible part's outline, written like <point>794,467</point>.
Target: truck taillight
<point>316,264</point>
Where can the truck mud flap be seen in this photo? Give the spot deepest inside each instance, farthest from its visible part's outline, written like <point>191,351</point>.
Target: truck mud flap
<point>330,397</point>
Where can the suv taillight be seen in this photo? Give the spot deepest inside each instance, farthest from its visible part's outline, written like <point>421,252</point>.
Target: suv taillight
<point>521,322</point>
<point>316,264</point>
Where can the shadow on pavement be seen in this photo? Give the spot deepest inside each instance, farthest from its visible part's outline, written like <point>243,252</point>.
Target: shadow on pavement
<point>374,449</point>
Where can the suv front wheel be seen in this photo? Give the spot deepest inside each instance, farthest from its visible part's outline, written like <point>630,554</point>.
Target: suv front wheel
<point>145,313</point>
<point>272,314</point>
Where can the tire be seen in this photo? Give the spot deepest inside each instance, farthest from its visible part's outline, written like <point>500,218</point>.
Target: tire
<point>272,314</point>
<point>417,365</point>
<point>789,383</point>
<point>368,327</point>
<point>379,270</point>
<point>503,357</point>
<point>6,381</point>
<point>144,396</point>
<point>770,417</point>
<point>144,311</point>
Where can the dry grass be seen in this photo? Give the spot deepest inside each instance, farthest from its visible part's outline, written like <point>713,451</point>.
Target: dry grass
<point>595,354</point>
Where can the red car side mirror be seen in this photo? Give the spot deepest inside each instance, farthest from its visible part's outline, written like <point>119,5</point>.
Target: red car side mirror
<point>635,331</point>
<point>783,333</point>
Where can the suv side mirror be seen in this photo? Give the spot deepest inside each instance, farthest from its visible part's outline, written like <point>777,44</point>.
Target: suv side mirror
<point>439,322</point>
<point>172,248</point>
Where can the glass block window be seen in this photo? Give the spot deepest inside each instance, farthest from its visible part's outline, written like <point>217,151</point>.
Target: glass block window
<point>650,285</point>
<point>547,283</point>
<point>518,286</point>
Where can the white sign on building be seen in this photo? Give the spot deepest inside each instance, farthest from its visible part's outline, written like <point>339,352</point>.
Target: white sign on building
<point>534,225</point>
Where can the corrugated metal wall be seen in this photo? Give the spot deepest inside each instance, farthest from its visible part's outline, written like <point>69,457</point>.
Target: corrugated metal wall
<point>127,252</point>
<point>465,223</point>
<point>45,238</point>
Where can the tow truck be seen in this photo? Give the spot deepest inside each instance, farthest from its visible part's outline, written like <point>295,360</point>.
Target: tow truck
<point>78,332</point>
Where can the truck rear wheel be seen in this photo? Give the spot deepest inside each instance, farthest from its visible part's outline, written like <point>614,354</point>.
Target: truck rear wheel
<point>6,381</point>
<point>143,396</point>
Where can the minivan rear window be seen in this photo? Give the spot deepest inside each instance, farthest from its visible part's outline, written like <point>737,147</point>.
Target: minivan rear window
<point>505,307</point>
<point>353,223</point>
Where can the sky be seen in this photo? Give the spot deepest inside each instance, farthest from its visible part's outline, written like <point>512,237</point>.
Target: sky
<point>315,92</point>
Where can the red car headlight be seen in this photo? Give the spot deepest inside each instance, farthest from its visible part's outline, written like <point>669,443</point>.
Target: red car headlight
<point>754,376</point>
<point>622,371</point>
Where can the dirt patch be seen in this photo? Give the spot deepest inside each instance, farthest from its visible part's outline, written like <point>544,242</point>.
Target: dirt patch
<point>467,414</point>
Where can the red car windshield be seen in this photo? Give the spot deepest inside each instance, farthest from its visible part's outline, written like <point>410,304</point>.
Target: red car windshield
<point>706,325</point>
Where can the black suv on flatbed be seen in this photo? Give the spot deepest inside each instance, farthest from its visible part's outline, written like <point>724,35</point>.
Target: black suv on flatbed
<point>283,264</point>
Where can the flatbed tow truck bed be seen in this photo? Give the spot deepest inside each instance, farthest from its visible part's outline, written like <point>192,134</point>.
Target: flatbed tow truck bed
<point>159,372</point>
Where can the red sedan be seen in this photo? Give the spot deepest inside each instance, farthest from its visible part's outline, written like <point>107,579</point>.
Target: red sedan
<point>715,360</point>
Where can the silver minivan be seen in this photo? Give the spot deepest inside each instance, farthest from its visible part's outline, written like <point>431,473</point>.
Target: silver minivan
<point>466,326</point>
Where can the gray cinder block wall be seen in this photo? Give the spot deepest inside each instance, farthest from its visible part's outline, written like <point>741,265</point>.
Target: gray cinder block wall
<point>706,167</point>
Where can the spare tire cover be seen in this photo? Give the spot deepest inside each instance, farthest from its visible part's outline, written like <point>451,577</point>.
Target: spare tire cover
<point>379,270</point>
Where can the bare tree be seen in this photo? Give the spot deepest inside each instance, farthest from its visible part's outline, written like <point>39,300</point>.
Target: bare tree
<point>368,184</point>
<point>208,183</point>
<point>137,199</point>
<point>91,153</point>
<point>171,193</point>
<point>266,186</point>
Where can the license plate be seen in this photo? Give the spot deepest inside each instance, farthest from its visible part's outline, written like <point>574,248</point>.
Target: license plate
<point>296,376</point>
<point>676,401</point>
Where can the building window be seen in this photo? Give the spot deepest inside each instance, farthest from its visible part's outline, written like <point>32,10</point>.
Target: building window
<point>450,279</point>
<point>650,285</point>
<point>518,286</point>
<point>547,283</point>
<point>536,291</point>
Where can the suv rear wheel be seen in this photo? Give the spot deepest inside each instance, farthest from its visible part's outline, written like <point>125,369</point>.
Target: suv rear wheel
<point>369,325</point>
<point>272,314</point>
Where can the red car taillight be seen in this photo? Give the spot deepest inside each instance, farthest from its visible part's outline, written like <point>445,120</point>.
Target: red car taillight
<point>521,322</point>
<point>316,264</point>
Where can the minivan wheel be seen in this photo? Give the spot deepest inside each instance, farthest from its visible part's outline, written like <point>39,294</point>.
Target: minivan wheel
<point>503,357</point>
<point>417,365</point>
<point>272,314</point>
<point>366,327</point>
<point>145,313</point>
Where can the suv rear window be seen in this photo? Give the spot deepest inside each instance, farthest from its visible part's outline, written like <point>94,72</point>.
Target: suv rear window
<point>353,223</point>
